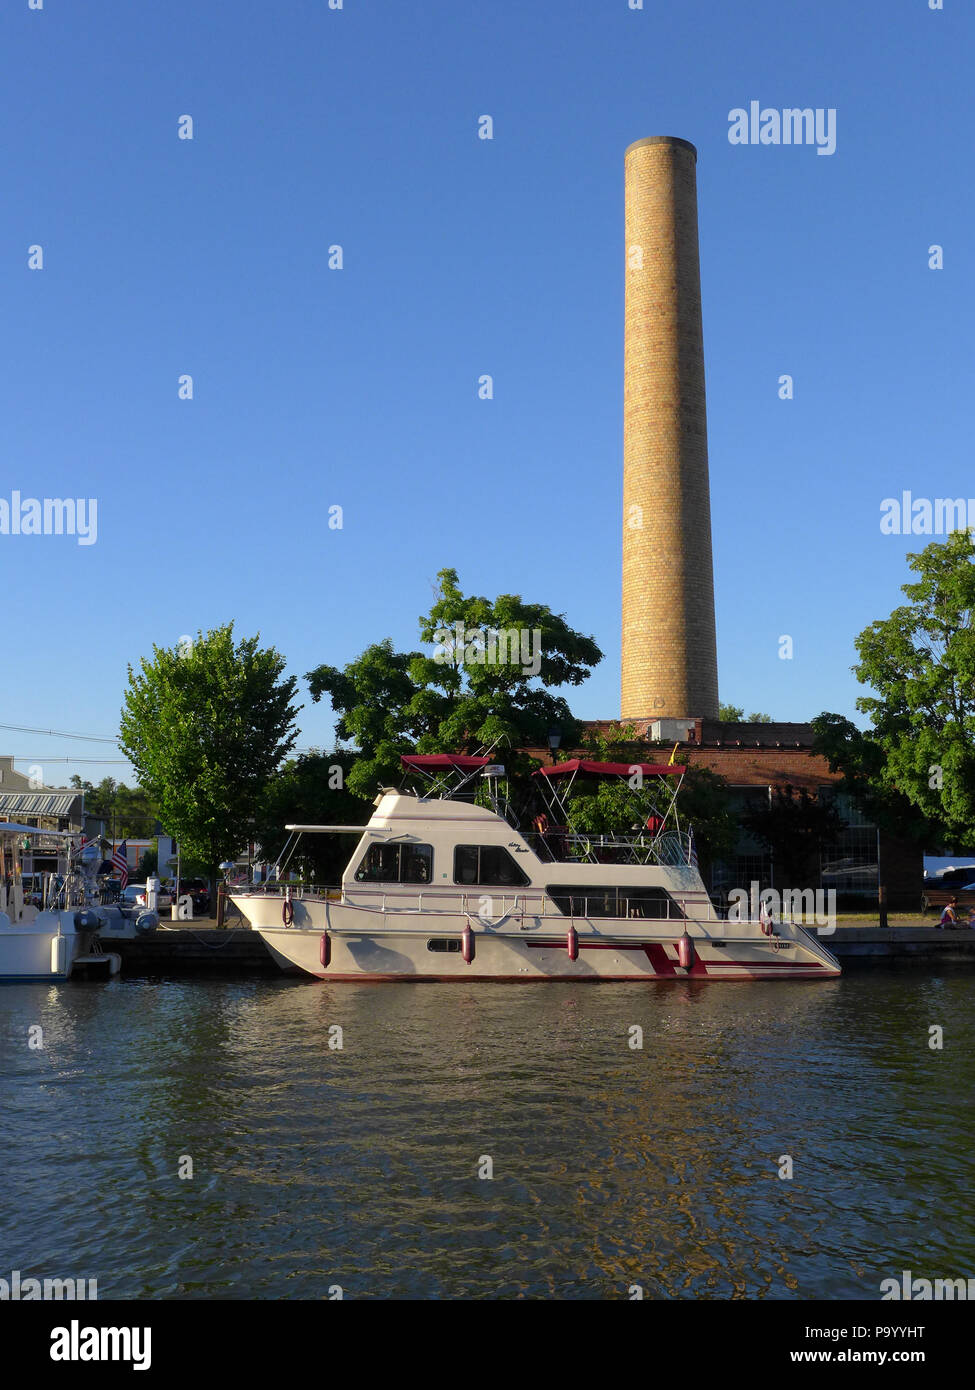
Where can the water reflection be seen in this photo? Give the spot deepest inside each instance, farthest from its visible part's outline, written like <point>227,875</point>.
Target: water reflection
<point>612,1165</point>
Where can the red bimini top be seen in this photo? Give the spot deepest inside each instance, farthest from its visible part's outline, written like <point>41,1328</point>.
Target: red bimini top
<point>609,769</point>
<point>432,761</point>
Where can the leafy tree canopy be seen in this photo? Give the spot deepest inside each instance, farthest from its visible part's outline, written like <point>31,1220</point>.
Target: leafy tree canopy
<point>311,790</point>
<point>611,806</point>
<point>921,663</point>
<point>205,729</point>
<point>129,807</point>
<point>861,759</point>
<point>476,685</point>
<point>735,714</point>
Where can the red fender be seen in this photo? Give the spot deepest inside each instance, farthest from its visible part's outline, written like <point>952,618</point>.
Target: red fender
<point>572,943</point>
<point>686,954</point>
<point>325,950</point>
<point>468,948</point>
<point>287,912</point>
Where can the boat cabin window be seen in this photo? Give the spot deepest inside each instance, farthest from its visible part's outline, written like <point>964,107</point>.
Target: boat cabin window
<point>396,863</point>
<point>581,900</point>
<point>487,864</point>
<point>443,943</point>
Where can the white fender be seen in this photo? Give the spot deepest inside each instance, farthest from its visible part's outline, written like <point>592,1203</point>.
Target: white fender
<point>59,955</point>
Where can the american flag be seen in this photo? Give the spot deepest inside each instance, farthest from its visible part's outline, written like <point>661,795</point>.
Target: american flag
<point>120,862</point>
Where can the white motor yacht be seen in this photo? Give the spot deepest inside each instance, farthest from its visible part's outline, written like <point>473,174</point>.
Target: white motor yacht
<point>441,888</point>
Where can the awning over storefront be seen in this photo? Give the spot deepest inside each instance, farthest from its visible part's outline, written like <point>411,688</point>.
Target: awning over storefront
<point>20,805</point>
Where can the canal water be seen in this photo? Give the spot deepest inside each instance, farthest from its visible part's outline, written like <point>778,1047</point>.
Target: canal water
<point>501,1141</point>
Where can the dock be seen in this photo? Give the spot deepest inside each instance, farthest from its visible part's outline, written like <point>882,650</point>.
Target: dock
<point>206,951</point>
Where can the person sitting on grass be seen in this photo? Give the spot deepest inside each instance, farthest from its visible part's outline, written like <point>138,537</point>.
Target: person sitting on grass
<point>949,918</point>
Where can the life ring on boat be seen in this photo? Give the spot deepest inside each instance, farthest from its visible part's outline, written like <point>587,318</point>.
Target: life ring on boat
<point>325,950</point>
<point>467,946</point>
<point>572,943</point>
<point>686,954</point>
<point>287,912</point>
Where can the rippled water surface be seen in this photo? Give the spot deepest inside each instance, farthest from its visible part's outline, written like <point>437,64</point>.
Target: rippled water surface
<point>612,1166</point>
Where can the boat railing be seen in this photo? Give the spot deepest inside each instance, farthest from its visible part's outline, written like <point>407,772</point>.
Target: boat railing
<point>558,845</point>
<point>491,904</point>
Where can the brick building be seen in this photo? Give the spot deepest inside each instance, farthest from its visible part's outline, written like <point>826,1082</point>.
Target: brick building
<point>754,758</point>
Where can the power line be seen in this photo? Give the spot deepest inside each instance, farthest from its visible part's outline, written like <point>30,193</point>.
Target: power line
<point>122,762</point>
<point>59,733</point>
<point>47,758</point>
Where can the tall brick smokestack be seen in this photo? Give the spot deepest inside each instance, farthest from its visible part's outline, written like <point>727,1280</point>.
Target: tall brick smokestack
<point>670,664</point>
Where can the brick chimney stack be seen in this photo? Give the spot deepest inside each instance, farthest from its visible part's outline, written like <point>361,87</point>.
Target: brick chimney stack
<point>670,665</point>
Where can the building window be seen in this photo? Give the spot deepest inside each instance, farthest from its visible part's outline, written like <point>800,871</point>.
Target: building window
<point>396,863</point>
<point>850,865</point>
<point>487,864</point>
<point>578,900</point>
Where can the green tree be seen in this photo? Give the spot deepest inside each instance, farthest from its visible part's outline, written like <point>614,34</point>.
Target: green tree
<point>373,698</point>
<point>735,714</point>
<point>311,790</point>
<point>471,691</point>
<point>128,808</point>
<point>703,802</point>
<point>861,759</point>
<point>205,729</point>
<point>921,663</point>
<point>148,864</point>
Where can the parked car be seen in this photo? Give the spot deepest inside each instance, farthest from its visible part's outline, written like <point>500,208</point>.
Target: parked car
<point>199,891</point>
<point>135,894</point>
<point>163,898</point>
<point>951,883</point>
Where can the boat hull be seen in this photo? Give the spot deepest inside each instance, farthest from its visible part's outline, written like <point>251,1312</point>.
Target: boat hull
<point>430,948</point>
<point>26,955</point>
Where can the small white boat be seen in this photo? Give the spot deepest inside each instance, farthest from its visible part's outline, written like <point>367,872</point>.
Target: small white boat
<point>444,889</point>
<point>59,935</point>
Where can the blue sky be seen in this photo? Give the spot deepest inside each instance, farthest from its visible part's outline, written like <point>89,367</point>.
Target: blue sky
<point>316,387</point>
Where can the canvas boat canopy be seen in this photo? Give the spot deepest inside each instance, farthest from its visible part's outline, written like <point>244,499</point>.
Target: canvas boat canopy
<point>598,769</point>
<point>434,762</point>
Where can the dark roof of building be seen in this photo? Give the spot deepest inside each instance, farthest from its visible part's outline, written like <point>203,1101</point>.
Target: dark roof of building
<point>744,735</point>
